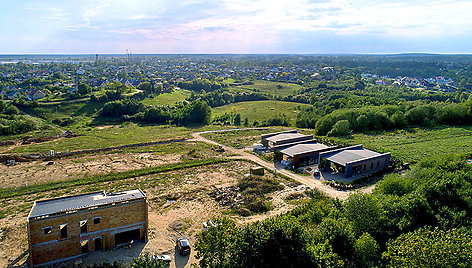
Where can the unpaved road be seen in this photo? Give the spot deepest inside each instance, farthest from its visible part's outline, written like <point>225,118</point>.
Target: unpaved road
<point>308,181</point>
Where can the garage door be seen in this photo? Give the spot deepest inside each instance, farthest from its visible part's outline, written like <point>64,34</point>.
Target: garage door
<point>126,237</point>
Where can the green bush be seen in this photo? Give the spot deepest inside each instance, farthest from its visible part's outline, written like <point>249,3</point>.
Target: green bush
<point>147,260</point>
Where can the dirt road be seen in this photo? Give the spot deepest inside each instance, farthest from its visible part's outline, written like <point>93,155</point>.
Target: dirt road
<point>308,181</point>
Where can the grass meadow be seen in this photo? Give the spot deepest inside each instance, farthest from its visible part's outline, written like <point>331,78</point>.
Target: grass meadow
<point>170,98</point>
<point>415,144</point>
<point>110,136</point>
<point>262,110</point>
<point>269,87</point>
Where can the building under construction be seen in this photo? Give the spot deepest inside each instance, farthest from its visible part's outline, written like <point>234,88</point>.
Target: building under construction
<point>64,228</point>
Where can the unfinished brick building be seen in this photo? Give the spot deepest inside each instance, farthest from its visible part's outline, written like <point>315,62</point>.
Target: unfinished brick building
<point>64,228</point>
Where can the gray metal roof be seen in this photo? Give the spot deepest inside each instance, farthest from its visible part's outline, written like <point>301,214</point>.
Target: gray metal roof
<point>63,204</point>
<point>286,136</point>
<point>346,156</point>
<point>303,149</point>
<point>264,136</point>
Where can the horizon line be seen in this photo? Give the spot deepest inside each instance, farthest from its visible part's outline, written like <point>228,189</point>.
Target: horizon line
<point>262,53</point>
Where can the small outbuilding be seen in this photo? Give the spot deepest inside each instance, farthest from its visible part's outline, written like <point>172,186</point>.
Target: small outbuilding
<point>257,171</point>
<point>354,160</point>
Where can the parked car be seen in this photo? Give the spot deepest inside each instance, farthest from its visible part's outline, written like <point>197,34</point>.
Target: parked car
<point>183,246</point>
<point>316,172</point>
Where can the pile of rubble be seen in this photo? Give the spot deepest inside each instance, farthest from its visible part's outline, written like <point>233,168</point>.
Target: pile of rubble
<point>227,196</point>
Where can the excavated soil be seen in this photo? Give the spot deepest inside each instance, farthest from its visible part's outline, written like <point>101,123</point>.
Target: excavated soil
<point>46,171</point>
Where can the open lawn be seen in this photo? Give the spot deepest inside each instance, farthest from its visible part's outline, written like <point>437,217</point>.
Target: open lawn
<point>415,144</point>
<point>262,110</point>
<point>168,98</point>
<point>269,87</point>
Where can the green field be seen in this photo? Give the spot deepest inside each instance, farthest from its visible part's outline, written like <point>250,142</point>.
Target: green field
<point>261,110</point>
<point>269,87</point>
<point>109,136</point>
<point>416,144</point>
<point>80,111</point>
<point>168,98</point>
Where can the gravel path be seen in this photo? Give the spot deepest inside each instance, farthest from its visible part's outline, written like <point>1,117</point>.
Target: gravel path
<point>308,181</point>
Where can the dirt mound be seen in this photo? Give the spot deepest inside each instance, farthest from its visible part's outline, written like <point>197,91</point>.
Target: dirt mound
<point>177,225</point>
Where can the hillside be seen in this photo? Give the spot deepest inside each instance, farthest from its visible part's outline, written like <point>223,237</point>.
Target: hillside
<point>262,110</point>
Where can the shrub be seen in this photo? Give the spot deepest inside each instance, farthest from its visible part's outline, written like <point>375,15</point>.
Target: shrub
<point>341,128</point>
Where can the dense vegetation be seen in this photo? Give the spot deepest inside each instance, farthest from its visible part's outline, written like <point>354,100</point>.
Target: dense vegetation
<point>12,122</point>
<point>427,211</point>
<point>201,85</point>
<point>381,118</point>
<point>197,112</point>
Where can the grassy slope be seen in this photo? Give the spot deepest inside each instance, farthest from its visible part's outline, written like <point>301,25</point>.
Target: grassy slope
<point>417,144</point>
<point>107,137</point>
<point>261,110</point>
<point>269,87</point>
<point>168,98</point>
<point>80,111</point>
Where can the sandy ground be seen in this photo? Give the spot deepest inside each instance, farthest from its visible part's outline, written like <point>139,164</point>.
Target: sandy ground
<point>167,220</point>
<point>63,169</point>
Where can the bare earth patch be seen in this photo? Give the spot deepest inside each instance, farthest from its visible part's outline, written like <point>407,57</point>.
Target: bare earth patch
<point>178,205</point>
<point>62,169</point>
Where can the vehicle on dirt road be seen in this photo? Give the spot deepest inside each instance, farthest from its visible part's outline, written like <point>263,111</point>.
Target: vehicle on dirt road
<point>183,246</point>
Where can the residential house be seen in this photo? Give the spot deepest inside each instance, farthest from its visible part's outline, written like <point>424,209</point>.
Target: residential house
<point>36,94</point>
<point>13,95</point>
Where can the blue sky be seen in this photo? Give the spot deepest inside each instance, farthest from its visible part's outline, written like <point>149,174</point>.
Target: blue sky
<point>235,26</point>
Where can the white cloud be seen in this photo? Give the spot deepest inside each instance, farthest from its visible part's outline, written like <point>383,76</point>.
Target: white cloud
<point>236,25</point>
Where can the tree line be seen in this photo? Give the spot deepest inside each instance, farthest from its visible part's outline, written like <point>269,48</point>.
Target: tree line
<point>235,119</point>
<point>222,97</point>
<point>196,112</point>
<point>379,118</point>
<point>201,85</point>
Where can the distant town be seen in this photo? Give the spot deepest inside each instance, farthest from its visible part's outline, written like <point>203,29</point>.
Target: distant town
<point>49,78</point>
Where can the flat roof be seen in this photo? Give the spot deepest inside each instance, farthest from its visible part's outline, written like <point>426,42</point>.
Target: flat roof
<point>346,156</point>
<point>286,136</point>
<point>303,149</point>
<point>82,201</point>
<point>276,133</point>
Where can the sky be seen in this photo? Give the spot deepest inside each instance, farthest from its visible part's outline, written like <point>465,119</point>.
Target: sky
<point>234,26</point>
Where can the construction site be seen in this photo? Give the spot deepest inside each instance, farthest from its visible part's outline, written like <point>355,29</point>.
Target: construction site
<point>80,225</point>
<point>85,218</point>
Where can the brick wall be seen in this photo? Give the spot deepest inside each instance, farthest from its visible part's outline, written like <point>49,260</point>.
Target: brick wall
<point>118,217</point>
